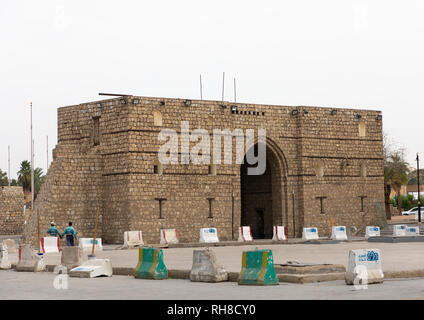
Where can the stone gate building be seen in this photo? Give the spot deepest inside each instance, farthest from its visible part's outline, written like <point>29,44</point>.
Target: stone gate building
<point>324,168</point>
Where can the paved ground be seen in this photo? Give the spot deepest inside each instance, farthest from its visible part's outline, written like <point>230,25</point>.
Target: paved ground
<point>26,285</point>
<point>395,256</point>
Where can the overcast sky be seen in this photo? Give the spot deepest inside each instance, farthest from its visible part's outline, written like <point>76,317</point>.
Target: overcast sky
<point>331,53</point>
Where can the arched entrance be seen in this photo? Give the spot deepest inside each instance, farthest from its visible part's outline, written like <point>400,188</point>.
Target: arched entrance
<point>263,197</point>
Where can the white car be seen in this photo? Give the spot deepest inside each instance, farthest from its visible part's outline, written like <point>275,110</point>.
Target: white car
<point>413,211</point>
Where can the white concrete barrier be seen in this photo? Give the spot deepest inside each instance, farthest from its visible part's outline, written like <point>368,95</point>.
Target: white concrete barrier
<point>279,233</point>
<point>208,235</point>
<point>4,258</point>
<point>168,236</point>
<point>310,233</point>
<point>10,244</point>
<point>30,260</point>
<point>93,268</point>
<point>338,233</point>
<point>364,267</point>
<point>412,231</point>
<point>86,244</point>
<point>205,267</point>
<point>133,239</point>
<point>72,257</point>
<point>50,245</point>
<point>399,230</point>
<point>372,231</point>
<point>245,234</point>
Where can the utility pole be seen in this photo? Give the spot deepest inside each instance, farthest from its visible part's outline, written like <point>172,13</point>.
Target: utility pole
<point>418,182</point>
<point>8,152</point>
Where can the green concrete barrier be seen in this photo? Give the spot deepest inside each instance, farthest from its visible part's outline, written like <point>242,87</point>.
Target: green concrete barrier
<point>257,268</point>
<point>150,264</point>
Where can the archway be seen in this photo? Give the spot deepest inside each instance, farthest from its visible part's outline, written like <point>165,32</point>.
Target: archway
<point>263,197</point>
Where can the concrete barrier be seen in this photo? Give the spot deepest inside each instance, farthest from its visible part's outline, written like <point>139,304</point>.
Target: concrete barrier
<point>364,267</point>
<point>279,233</point>
<point>72,257</point>
<point>86,244</point>
<point>245,234</point>
<point>92,268</point>
<point>208,235</point>
<point>133,239</point>
<point>257,268</point>
<point>150,265</point>
<point>50,245</point>
<point>29,260</point>
<point>399,230</point>
<point>412,231</point>
<point>310,233</point>
<point>10,244</point>
<point>4,258</point>
<point>168,236</point>
<point>338,233</point>
<point>372,231</point>
<point>205,267</point>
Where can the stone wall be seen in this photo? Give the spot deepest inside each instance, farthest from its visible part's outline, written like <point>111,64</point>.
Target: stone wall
<point>107,152</point>
<point>11,210</point>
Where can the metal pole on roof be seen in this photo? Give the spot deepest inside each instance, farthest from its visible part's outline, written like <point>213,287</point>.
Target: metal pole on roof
<point>32,165</point>
<point>223,79</point>
<point>418,182</point>
<point>201,94</point>
<point>8,154</point>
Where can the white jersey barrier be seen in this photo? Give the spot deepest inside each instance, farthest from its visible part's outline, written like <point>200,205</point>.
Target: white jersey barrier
<point>208,235</point>
<point>412,231</point>
<point>399,230</point>
<point>4,258</point>
<point>133,238</point>
<point>364,267</point>
<point>50,245</point>
<point>29,260</point>
<point>72,257</point>
<point>86,244</point>
<point>372,231</point>
<point>310,233</point>
<point>10,244</point>
<point>168,236</point>
<point>205,267</point>
<point>245,234</point>
<point>93,268</point>
<point>279,233</point>
<point>338,233</point>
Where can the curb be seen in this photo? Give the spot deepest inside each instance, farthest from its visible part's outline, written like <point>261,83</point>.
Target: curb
<point>282,277</point>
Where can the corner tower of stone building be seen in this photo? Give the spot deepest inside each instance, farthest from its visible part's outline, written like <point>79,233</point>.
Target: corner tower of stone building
<point>11,210</point>
<point>324,167</point>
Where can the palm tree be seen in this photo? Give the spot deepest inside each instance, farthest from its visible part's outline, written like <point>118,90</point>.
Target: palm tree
<point>396,172</point>
<point>24,177</point>
<point>4,181</point>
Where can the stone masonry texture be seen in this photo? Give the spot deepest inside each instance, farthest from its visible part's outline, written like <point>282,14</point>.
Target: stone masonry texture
<point>322,171</point>
<point>11,210</point>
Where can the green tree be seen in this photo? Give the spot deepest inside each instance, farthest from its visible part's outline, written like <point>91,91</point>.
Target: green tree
<point>396,171</point>
<point>24,177</point>
<point>3,179</point>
